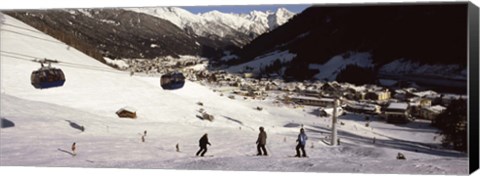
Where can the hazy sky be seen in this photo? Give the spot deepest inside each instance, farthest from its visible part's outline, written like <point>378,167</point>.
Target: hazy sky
<point>245,8</point>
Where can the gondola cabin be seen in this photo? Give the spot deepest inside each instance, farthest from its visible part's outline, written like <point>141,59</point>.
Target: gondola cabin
<point>47,77</point>
<point>172,81</point>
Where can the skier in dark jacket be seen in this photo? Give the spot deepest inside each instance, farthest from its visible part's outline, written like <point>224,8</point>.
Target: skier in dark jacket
<point>74,147</point>
<point>261,141</point>
<point>302,140</point>
<point>203,145</point>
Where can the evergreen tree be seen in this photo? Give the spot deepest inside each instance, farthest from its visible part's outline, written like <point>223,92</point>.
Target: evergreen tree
<point>453,125</point>
<point>356,75</point>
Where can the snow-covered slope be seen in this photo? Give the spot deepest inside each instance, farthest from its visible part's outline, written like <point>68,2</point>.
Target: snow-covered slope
<point>215,23</point>
<point>327,71</point>
<point>409,67</point>
<point>330,70</point>
<point>47,122</point>
<point>263,61</point>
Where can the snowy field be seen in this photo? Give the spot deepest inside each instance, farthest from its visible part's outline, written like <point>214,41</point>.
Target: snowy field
<point>46,123</point>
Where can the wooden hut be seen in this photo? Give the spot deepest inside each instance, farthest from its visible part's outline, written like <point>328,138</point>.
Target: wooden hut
<point>127,112</point>
<point>398,113</point>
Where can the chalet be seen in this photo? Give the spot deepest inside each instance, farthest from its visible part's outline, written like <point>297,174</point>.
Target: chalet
<point>431,112</point>
<point>378,95</point>
<point>127,112</point>
<point>397,113</point>
<point>417,104</point>
<point>352,94</point>
<point>330,88</point>
<point>404,94</point>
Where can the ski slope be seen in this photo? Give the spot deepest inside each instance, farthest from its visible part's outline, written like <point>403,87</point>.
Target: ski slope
<point>46,123</point>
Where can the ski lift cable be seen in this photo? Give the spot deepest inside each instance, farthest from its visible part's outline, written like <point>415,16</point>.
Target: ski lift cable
<point>80,66</point>
<point>27,35</point>
<point>16,57</point>
<point>67,64</point>
<point>22,28</point>
<point>38,59</point>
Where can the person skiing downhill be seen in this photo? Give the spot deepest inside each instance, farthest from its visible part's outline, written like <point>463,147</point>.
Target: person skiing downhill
<point>302,140</point>
<point>144,135</point>
<point>261,141</point>
<point>74,147</point>
<point>203,145</point>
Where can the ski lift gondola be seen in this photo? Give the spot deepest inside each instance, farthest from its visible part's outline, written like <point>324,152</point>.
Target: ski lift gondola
<point>47,77</point>
<point>171,81</point>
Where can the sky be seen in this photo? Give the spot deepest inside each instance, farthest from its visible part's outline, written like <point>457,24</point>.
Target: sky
<point>296,8</point>
<point>49,4</point>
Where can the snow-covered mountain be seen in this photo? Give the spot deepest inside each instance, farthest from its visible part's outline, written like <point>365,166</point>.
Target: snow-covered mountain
<point>114,33</point>
<point>215,24</point>
<point>409,67</point>
<point>151,32</point>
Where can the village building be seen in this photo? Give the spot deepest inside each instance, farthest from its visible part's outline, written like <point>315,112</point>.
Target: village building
<point>352,94</point>
<point>397,113</point>
<point>363,108</point>
<point>417,104</point>
<point>313,101</point>
<point>431,112</point>
<point>330,88</point>
<point>400,94</point>
<point>378,95</point>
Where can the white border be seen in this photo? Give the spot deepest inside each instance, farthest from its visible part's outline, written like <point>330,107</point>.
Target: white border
<point>48,4</point>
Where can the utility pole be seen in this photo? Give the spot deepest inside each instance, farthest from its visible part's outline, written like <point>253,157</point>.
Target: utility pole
<point>334,122</point>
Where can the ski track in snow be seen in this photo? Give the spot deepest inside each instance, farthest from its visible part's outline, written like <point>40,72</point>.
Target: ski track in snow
<point>47,122</point>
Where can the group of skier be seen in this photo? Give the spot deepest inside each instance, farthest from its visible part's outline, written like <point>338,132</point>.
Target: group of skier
<point>261,142</point>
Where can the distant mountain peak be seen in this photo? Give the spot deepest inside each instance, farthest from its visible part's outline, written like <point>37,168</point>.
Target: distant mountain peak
<point>219,24</point>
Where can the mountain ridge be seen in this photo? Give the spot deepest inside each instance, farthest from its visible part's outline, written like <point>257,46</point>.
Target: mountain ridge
<point>217,24</point>
<point>120,33</point>
<point>423,33</point>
